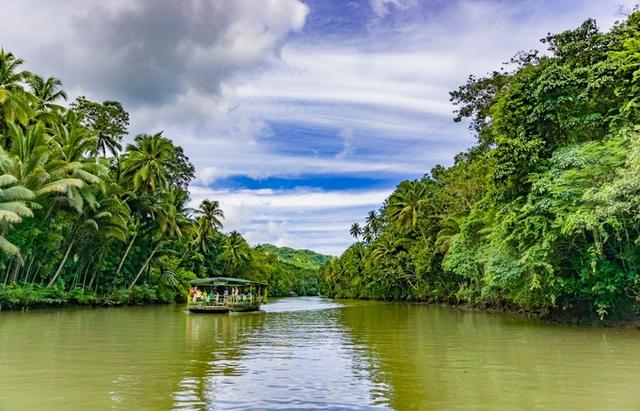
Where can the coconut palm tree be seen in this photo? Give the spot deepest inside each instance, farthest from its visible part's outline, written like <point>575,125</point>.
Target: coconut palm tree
<point>406,205</point>
<point>169,221</point>
<point>385,248</point>
<point>47,91</point>
<point>236,250</point>
<point>355,230</point>
<point>106,216</point>
<point>14,102</point>
<point>13,204</point>
<point>209,220</point>
<point>35,164</point>
<point>11,77</point>
<point>145,165</point>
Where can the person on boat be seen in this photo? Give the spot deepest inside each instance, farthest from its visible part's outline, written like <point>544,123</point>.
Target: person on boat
<point>226,294</point>
<point>217,297</point>
<point>192,293</point>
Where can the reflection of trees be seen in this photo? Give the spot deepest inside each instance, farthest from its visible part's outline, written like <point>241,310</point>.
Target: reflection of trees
<point>421,354</point>
<point>437,358</point>
<point>215,345</point>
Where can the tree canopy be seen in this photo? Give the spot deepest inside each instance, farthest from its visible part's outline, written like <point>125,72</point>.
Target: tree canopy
<point>84,221</point>
<point>542,213</point>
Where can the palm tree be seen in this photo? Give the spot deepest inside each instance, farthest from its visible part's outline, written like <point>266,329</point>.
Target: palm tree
<point>140,206</point>
<point>446,235</point>
<point>367,234</point>
<point>406,204</point>
<point>169,221</point>
<point>236,250</point>
<point>373,221</point>
<point>14,102</point>
<point>355,231</point>
<point>209,220</point>
<point>385,248</point>
<point>35,165</point>
<point>13,204</point>
<point>11,77</point>
<point>106,217</point>
<point>47,91</point>
<point>145,165</point>
<point>74,146</point>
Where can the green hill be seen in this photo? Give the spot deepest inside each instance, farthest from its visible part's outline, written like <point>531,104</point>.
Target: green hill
<point>301,258</point>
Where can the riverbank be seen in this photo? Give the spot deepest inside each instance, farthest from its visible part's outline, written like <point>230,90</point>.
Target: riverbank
<point>16,297</point>
<point>553,317</point>
<point>574,317</point>
<point>20,297</point>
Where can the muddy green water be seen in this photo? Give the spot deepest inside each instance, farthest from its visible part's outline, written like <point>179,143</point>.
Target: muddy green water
<point>311,353</point>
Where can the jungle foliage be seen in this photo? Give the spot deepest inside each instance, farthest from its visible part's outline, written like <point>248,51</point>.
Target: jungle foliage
<point>85,220</point>
<point>542,214</point>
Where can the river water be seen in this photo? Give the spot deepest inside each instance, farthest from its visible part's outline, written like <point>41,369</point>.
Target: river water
<point>311,353</point>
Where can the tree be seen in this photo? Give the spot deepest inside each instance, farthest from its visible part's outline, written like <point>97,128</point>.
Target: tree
<point>14,102</point>
<point>406,205</point>
<point>169,221</point>
<point>108,120</point>
<point>47,91</point>
<point>355,230</point>
<point>209,220</point>
<point>236,251</point>
<point>145,165</point>
<point>106,216</point>
<point>13,204</point>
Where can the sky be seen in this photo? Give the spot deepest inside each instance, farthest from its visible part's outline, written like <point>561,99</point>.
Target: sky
<point>299,115</point>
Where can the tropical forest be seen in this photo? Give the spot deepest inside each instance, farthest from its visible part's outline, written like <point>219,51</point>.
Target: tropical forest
<point>541,215</point>
<point>89,220</point>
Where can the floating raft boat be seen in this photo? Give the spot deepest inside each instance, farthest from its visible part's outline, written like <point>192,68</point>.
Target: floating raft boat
<point>219,295</point>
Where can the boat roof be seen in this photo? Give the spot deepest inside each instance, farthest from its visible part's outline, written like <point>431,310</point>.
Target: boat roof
<point>228,281</point>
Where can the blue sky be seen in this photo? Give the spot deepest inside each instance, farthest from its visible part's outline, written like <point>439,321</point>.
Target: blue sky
<point>300,115</point>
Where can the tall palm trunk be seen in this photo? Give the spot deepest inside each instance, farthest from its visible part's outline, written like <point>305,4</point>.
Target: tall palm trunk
<point>64,260</point>
<point>144,265</point>
<point>126,253</point>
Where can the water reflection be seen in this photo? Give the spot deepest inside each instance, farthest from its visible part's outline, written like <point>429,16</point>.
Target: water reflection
<point>293,356</point>
<point>310,353</point>
<point>435,358</point>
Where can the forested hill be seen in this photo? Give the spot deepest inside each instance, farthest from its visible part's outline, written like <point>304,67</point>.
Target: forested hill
<point>301,258</point>
<point>542,214</point>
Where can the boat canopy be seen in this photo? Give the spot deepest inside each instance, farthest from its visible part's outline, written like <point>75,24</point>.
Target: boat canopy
<point>225,281</point>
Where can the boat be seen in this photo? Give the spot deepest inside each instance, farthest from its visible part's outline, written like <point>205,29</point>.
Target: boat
<point>220,295</point>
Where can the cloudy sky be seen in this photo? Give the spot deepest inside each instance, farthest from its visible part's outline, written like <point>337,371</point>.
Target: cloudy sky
<point>299,115</point>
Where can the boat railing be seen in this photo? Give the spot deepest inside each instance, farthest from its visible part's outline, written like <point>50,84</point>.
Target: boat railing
<point>232,299</point>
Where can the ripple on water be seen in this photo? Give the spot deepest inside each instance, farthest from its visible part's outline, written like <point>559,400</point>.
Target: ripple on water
<point>310,353</point>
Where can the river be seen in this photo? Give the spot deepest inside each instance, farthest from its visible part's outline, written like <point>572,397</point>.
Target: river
<point>311,353</point>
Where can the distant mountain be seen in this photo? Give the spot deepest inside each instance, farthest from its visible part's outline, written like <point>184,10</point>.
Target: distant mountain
<point>301,258</point>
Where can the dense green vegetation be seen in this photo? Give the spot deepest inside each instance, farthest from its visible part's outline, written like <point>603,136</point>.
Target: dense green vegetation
<point>84,221</point>
<point>542,214</point>
<point>301,258</point>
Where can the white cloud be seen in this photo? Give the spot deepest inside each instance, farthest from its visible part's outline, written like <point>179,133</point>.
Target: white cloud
<point>216,75</point>
<point>381,8</point>
<point>346,134</point>
<point>300,218</point>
